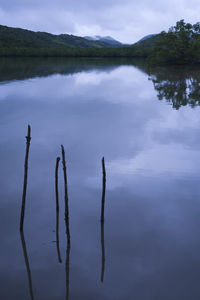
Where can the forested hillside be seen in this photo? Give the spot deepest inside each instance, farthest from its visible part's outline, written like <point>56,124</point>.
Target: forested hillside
<point>17,37</point>
<point>180,45</point>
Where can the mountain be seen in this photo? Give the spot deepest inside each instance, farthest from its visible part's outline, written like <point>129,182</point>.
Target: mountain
<point>106,39</point>
<point>17,37</point>
<point>146,37</point>
<point>148,41</point>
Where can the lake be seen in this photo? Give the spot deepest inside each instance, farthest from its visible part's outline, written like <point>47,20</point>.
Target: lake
<point>146,123</point>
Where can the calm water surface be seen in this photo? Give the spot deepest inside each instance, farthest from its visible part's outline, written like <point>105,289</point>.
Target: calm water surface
<point>146,123</point>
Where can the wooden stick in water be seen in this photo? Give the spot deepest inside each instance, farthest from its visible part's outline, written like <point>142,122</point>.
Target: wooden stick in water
<point>102,220</point>
<point>66,222</point>
<point>28,140</point>
<point>103,190</point>
<point>57,210</point>
<point>66,196</point>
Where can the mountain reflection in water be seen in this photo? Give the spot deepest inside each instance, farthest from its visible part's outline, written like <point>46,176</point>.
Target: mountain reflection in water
<point>178,85</point>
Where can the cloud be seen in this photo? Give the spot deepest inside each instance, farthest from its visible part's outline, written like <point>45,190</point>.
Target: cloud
<point>125,20</point>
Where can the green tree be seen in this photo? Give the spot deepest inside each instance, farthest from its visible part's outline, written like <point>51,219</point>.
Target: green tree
<point>181,44</point>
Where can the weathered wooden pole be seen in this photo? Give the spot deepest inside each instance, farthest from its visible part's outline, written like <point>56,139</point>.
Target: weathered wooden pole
<point>28,141</point>
<point>102,219</point>
<point>66,222</point>
<point>66,196</point>
<point>57,210</point>
<point>27,264</point>
<point>103,190</point>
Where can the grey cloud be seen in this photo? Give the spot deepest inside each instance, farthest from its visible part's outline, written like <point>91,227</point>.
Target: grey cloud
<point>60,4</point>
<point>125,20</point>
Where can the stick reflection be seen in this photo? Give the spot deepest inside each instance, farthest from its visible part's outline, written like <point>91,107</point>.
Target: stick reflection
<point>102,252</point>
<point>27,264</point>
<point>67,271</point>
<point>57,210</point>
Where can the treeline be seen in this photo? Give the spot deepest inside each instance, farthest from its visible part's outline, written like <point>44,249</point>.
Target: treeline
<point>180,45</point>
<point>74,52</point>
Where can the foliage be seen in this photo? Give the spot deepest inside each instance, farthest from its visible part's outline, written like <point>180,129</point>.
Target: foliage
<point>72,52</point>
<point>180,45</point>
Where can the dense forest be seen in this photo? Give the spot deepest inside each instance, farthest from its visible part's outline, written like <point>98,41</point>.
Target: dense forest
<point>180,45</point>
<point>74,52</point>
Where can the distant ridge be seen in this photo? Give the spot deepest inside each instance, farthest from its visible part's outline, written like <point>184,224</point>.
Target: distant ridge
<point>17,37</point>
<point>107,39</point>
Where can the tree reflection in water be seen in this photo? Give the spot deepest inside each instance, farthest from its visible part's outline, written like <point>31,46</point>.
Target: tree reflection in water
<point>180,87</point>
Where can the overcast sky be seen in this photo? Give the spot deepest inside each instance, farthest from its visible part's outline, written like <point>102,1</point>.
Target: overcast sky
<point>125,20</point>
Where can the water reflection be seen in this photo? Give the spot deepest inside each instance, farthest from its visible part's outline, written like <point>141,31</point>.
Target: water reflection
<point>57,210</point>
<point>179,87</point>
<point>103,259</point>
<point>67,268</point>
<point>25,68</point>
<point>152,216</point>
